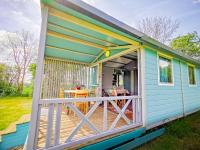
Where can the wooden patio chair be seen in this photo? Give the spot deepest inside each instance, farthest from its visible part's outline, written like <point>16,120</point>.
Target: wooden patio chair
<point>83,106</point>
<point>62,95</point>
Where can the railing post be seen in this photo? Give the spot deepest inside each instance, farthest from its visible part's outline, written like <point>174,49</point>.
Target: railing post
<point>133,110</point>
<point>105,116</point>
<point>136,110</point>
<point>38,126</point>
<point>57,126</point>
<point>49,125</point>
<point>140,101</point>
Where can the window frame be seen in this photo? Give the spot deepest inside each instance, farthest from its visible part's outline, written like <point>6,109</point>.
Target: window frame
<point>194,69</point>
<point>158,68</point>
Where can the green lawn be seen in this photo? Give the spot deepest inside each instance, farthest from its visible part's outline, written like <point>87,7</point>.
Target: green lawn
<point>180,134</point>
<point>12,108</point>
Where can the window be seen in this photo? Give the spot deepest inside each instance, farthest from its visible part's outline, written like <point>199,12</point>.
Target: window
<point>93,76</point>
<point>191,72</point>
<point>165,70</point>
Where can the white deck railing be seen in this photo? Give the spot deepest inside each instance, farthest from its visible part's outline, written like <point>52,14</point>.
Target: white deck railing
<point>51,137</point>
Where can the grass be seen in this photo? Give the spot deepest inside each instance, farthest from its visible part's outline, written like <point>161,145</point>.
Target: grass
<point>12,108</point>
<point>180,134</point>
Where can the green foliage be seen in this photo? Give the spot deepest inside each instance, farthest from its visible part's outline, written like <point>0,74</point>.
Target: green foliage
<point>188,44</point>
<point>27,91</point>
<point>32,69</point>
<point>7,90</point>
<point>8,86</point>
<point>6,81</point>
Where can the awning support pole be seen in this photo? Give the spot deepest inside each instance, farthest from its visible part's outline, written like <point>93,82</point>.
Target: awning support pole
<point>31,139</point>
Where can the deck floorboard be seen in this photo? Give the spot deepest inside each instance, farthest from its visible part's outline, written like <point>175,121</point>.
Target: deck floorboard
<point>70,121</point>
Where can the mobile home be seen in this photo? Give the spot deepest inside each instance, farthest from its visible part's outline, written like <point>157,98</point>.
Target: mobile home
<point>97,78</point>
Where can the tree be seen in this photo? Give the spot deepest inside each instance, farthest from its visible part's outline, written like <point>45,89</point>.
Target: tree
<point>22,47</point>
<point>188,44</point>
<point>159,28</point>
<point>32,69</point>
<point>7,80</point>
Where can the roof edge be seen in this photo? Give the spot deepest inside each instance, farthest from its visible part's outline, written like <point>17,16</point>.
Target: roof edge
<point>99,15</point>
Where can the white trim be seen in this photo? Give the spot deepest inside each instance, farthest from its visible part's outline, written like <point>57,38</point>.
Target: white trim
<point>141,59</point>
<point>182,93</point>
<point>49,126</point>
<point>170,119</point>
<point>121,114</point>
<point>89,99</point>
<point>191,112</point>
<point>191,85</point>
<point>158,69</point>
<point>85,118</point>
<point>58,125</point>
<point>132,82</point>
<point>164,121</point>
<point>31,139</point>
<point>105,116</point>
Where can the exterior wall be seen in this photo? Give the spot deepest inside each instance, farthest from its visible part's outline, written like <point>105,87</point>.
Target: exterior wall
<point>162,101</point>
<point>191,94</point>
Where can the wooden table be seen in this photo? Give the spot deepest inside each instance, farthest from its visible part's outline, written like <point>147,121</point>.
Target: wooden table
<point>83,106</point>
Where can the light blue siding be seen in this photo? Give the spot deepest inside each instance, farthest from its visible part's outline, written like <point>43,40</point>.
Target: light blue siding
<point>162,102</point>
<point>191,93</point>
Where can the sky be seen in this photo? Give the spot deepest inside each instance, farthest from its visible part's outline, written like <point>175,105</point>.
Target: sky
<point>186,12</point>
<point>25,14</point>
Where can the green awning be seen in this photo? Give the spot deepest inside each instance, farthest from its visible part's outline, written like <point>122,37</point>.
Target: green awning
<point>74,36</point>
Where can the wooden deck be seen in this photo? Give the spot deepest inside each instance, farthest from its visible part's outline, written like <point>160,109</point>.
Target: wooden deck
<point>70,121</point>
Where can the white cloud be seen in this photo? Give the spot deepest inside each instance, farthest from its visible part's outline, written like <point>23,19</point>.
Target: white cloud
<point>91,2</point>
<point>37,2</point>
<point>196,1</point>
<point>25,22</point>
<point>4,55</point>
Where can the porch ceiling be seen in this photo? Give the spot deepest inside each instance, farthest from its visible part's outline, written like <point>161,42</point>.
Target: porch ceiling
<point>74,36</point>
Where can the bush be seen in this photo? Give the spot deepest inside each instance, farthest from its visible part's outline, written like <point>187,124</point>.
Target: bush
<point>27,91</point>
<point>7,90</point>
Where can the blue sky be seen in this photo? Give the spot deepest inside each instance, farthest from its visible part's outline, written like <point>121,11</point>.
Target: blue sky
<point>187,12</point>
<point>18,14</point>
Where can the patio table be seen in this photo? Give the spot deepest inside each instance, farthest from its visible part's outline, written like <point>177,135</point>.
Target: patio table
<point>83,106</point>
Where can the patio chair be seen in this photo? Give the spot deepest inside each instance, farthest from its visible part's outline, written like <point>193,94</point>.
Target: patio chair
<point>83,106</point>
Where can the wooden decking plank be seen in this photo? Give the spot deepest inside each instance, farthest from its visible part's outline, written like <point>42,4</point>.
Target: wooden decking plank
<point>69,122</point>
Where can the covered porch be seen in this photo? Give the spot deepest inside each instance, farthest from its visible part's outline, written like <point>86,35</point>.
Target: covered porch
<point>88,81</point>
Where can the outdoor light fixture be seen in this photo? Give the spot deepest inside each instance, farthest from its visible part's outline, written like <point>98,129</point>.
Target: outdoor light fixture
<point>107,53</point>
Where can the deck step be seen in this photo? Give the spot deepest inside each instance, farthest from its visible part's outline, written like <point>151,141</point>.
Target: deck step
<point>109,143</point>
<point>141,140</point>
<point>16,138</point>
